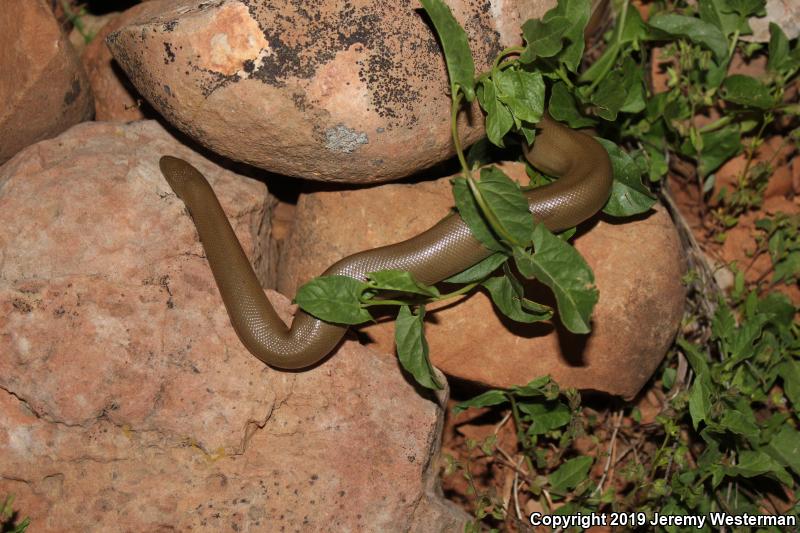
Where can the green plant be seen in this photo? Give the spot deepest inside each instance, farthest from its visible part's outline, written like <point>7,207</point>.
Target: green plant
<point>76,19</point>
<point>726,440</point>
<point>781,239</point>
<point>495,209</point>
<point>9,517</point>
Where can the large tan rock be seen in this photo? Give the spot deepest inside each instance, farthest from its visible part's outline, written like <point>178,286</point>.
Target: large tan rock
<point>341,91</point>
<point>43,88</point>
<point>127,402</point>
<point>115,96</point>
<point>637,264</point>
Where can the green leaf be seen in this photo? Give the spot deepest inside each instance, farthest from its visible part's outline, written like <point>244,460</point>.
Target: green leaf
<point>716,73</point>
<point>755,463</point>
<point>694,29</point>
<point>412,348</point>
<point>559,266</point>
<point>487,399</point>
<point>738,423</point>
<point>718,147</point>
<point>609,96</point>
<point>635,28</point>
<point>721,14</point>
<point>480,154</point>
<point>509,301</point>
<point>455,43</point>
<point>790,373</point>
<point>747,91</point>
<point>499,119</point>
<point>747,8</point>
<point>543,39</point>
<point>548,39</point>
<point>564,108</point>
<point>696,358</point>
<point>633,76</point>
<point>570,474</point>
<point>779,57</point>
<point>779,306</point>
<point>528,131</point>
<point>334,299</point>
<point>699,401</point>
<point>480,270</point>
<point>399,280</point>
<point>787,268</point>
<point>578,13</point>
<point>470,212</point>
<point>541,386</point>
<point>658,166</point>
<point>522,92</point>
<point>629,196</point>
<point>603,64</point>
<point>785,447</point>
<point>545,415</point>
<point>668,377</point>
<point>505,200</point>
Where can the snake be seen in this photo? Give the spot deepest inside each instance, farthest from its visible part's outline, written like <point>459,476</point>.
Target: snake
<point>584,182</point>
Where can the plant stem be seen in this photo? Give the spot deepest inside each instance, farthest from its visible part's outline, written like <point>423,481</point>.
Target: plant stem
<point>384,302</point>
<point>565,77</point>
<point>614,45</point>
<point>752,151</point>
<point>732,46</point>
<point>454,108</point>
<point>717,124</point>
<point>463,290</point>
<point>508,51</point>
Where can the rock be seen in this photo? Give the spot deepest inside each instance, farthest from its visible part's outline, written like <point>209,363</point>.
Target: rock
<point>127,402</point>
<point>42,85</point>
<point>784,13</point>
<point>637,264</point>
<point>780,183</point>
<point>795,176</point>
<point>351,93</point>
<point>773,152</point>
<point>91,25</point>
<point>741,243</point>
<point>115,96</point>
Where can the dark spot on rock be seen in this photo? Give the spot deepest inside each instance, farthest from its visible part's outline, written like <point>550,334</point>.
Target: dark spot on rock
<point>299,100</point>
<point>73,93</point>
<point>21,305</point>
<point>249,65</point>
<point>362,29</point>
<point>170,55</point>
<point>169,25</point>
<point>167,90</point>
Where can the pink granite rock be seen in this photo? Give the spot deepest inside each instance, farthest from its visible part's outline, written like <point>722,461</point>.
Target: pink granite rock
<point>351,91</point>
<point>127,402</point>
<point>43,88</point>
<point>637,264</point>
<point>115,96</point>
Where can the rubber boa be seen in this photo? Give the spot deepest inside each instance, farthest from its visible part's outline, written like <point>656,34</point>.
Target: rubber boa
<point>445,249</point>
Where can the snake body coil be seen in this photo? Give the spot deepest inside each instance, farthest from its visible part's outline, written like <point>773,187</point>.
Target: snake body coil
<point>436,254</point>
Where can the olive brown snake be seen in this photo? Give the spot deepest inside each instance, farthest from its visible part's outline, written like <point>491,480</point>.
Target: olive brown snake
<point>432,256</point>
